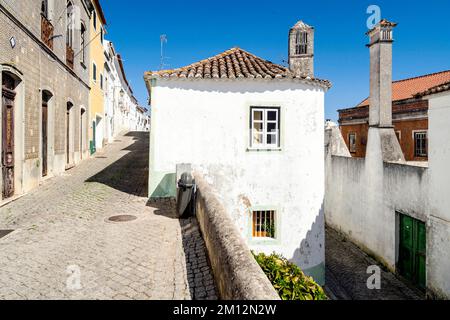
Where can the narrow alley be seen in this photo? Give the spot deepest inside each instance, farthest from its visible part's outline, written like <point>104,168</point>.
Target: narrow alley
<point>92,234</point>
<point>346,274</point>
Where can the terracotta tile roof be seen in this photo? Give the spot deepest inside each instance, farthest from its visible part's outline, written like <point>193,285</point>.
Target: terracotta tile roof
<point>410,88</point>
<point>436,89</point>
<point>232,64</point>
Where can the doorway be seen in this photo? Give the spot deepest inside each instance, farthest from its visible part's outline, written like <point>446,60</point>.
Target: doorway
<point>81,133</point>
<point>46,96</point>
<point>8,102</point>
<point>68,125</point>
<point>412,250</point>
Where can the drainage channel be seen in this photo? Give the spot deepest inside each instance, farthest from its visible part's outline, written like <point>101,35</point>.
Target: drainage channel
<point>122,218</point>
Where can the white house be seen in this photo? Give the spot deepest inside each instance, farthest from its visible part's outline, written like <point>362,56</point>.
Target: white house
<point>439,178</point>
<point>394,210</point>
<point>255,129</point>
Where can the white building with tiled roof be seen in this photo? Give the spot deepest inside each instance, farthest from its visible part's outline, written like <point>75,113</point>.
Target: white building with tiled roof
<point>255,129</point>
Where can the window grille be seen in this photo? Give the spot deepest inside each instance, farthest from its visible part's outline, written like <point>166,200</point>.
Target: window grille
<point>264,224</point>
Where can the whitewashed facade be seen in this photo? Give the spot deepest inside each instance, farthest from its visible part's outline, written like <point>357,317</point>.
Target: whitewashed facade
<point>122,110</point>
<point>254,130</point>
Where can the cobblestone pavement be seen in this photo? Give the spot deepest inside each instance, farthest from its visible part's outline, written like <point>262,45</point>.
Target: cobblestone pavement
<point>64,246</point>
<point>346,274</point>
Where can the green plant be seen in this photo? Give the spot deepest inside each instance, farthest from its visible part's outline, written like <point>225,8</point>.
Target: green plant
<point>289,281</point>
<point>269,228</point>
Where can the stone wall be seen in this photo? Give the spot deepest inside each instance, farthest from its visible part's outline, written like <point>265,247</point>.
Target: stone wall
<point>40,68</point>
<point>237,274</point>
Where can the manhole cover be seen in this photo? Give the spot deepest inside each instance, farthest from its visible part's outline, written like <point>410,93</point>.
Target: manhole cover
<point>122,218</point>
<point>4,233</point>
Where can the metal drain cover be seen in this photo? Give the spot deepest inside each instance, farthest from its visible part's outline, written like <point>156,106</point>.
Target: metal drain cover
<point>4,233</point>
<point>122,218</point>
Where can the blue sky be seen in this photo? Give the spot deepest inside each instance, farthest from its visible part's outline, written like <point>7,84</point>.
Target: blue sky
<point>200,29</point>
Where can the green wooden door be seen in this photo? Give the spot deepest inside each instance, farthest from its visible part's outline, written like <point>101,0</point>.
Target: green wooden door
<point>93,142</point>
<point>412,253</point>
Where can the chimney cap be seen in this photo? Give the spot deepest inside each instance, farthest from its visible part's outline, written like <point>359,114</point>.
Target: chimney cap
<point>382,24</point>
<point>301,25</point>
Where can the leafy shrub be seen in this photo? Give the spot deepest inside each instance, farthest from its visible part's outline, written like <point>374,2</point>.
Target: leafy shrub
<point>289,281</point>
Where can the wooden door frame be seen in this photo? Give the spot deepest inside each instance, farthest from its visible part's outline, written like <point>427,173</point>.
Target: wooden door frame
<point>19,136</point>
<point>398,243</point>
<point>50,132</point>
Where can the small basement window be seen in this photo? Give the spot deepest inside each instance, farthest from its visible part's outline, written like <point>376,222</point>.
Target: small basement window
<point>265,128</point>
<point>420,144</point>
<point>264,224</point>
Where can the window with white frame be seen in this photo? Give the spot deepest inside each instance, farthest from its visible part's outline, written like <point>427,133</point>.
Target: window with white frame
<point>263,224</point>
<point>265,128</point>
<point>420,144</point>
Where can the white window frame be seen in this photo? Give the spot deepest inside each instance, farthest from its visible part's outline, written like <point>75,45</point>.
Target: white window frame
<point>265,133</point>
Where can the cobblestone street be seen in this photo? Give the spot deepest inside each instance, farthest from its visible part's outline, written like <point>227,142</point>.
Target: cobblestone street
<point>62,234</point>
<point>346,274</point>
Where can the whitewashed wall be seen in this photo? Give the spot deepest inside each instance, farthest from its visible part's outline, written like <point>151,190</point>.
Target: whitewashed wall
<point>206,123</point>
<point>363,196</point>
<point>439,193</point>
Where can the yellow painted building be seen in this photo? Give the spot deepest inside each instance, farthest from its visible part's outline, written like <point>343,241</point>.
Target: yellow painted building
<point>97,59</point>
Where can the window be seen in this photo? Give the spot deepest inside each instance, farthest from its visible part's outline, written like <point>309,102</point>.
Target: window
<point>265,128</point>
<point>301,42</point>
<point>101,81</point>
<point>94,72</point>
<point>102,36</point>
<point>44,8</point>
<point>83,43</point>
<point>70,23</point>
<point>94,19</point>
<point>352,142</point>
<point>264,224</point>
<point>420,144</point>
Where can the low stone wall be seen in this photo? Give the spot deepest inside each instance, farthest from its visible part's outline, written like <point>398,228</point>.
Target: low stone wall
<point>237,274</point>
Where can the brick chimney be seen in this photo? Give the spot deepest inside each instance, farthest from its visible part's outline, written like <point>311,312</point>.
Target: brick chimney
<point>380,111</point>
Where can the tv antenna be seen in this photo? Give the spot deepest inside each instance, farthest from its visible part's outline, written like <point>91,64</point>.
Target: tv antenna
<point>163,39</point>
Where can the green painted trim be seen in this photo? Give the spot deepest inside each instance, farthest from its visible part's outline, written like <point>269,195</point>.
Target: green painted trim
<point>162,185</point>
<point>264,241</point>
<point>317,273</point>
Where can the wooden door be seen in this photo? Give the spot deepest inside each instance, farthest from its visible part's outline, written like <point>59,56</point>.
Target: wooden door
<point>8,96</point>
<point>44,139</point>
<point>412,251</point>
<point>68,135</point>
<point>81,134</point>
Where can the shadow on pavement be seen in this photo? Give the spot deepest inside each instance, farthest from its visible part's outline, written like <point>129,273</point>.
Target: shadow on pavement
<point>129,174</point>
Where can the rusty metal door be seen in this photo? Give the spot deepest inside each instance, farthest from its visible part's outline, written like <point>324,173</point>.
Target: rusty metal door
<point>8,96</point>
<point>44,139</point>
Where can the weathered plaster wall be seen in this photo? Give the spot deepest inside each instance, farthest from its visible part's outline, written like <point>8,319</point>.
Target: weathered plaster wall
<point>363,205</point>
<point>439,203</point>
<point>206,123</point>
